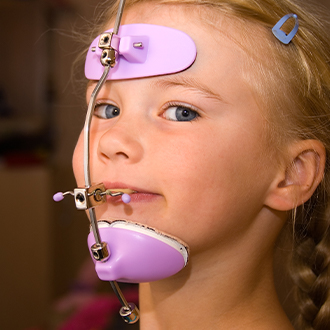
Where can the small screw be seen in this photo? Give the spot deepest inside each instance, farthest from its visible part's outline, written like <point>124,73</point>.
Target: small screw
<point>138,45</point>
<point>96,256</point>
<point>80,198</point>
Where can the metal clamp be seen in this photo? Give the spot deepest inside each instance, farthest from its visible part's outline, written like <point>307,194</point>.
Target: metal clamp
<point>100,251</point>
<point>109,42</point>
<point>86,198</point>
<point>129,312</point>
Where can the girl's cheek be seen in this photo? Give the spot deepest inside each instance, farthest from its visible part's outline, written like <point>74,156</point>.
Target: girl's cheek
<point>78,161</point>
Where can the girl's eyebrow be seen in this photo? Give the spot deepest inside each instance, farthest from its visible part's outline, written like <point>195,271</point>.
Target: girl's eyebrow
<point>174,81</point>
<point>189,83</point>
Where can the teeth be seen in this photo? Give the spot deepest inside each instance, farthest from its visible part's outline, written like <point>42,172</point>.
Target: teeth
<point>124,191</point>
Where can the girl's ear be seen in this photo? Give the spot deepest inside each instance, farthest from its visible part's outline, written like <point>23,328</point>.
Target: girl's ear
<point>299,176</point>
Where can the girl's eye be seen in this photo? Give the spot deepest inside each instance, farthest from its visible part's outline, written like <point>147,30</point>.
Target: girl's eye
<point>180,113</point>
<point>106,111</point>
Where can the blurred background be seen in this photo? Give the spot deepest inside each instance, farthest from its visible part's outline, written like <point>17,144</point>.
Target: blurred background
<point>42,109</point>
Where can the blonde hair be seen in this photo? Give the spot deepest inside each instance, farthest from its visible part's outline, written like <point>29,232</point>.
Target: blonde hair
<point>293,85</point>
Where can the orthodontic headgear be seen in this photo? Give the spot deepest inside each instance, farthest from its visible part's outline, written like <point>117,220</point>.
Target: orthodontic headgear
<point>124,251</point>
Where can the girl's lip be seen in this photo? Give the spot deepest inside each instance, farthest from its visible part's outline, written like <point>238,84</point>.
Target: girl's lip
<point>121,185</point>
<point>139,195</point>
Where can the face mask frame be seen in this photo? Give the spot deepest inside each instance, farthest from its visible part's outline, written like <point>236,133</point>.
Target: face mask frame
<point>124,251</point>
<point>137,253</point>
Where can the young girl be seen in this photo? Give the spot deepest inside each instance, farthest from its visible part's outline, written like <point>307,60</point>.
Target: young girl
<point>222,155</point>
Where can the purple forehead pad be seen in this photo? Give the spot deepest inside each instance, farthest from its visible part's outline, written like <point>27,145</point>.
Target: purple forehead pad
<point>143,50</point>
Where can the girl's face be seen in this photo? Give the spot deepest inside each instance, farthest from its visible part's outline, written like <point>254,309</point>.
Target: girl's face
<point>192,144</point>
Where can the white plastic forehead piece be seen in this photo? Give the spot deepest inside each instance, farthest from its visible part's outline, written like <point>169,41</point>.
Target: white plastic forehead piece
<point>143,50</point>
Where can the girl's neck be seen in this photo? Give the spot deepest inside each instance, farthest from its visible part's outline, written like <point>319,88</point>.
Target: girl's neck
<point>213,299</point>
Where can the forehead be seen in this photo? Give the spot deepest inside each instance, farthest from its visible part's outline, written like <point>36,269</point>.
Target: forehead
<point>192,18</point>
<point>222,56</point>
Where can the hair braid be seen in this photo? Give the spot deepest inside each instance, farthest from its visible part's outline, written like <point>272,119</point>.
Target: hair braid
<point>311,263</point>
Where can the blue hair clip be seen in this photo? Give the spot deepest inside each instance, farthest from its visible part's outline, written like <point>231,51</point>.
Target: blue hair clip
<point>281,35</point>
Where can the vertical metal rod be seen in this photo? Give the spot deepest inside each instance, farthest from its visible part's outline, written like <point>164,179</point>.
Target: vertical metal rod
<point>129,312</point>
<point>119,294</point>
<point>92,101</point>
<point>119,16</point>
<point>87,125</point>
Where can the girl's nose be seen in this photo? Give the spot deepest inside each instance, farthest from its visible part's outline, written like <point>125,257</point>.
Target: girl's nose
<point>120,143</point>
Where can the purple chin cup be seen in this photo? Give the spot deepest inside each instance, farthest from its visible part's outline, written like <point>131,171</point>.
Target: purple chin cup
<point>137,253</point>
<point>143,50</point>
